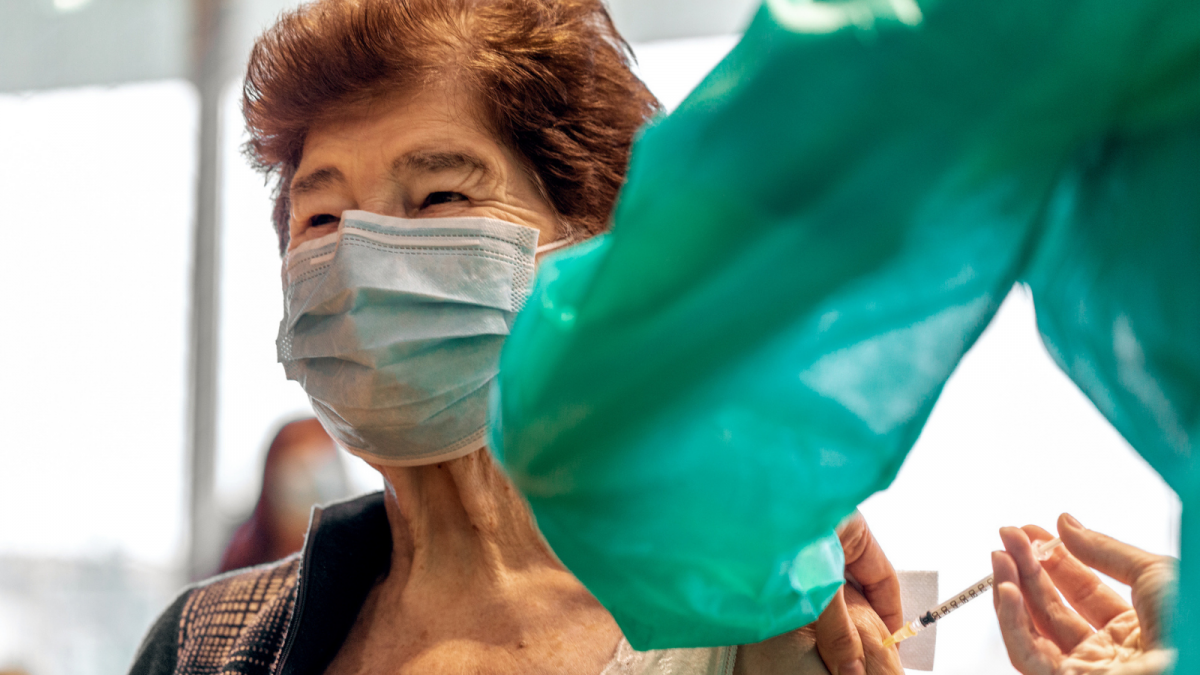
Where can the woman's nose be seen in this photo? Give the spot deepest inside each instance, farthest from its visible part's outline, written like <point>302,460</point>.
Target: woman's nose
<point>384,205</point>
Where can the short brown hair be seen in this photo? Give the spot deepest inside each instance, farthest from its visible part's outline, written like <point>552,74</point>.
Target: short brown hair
<point>553,75</point>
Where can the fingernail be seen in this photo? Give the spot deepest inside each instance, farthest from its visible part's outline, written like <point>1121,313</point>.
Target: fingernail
<point>1074,523</point>
<point>852,668</point>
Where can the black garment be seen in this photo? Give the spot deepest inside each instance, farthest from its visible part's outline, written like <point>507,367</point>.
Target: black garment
<point>286,618</point>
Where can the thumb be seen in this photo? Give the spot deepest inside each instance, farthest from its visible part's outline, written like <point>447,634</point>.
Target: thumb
<point>838,641</point>
<point>1152,578</point>
<point>1117,559</point>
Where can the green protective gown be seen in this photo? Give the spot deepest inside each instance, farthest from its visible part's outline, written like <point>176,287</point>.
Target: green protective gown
<point>805,250</point>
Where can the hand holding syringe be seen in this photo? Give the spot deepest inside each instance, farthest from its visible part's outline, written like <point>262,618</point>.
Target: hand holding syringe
<point>1042,549</point>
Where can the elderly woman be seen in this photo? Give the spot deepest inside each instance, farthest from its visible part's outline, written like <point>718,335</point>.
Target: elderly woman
<point>423,149</point>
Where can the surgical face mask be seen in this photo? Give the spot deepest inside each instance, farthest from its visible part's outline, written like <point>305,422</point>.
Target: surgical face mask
<point>394,327</point>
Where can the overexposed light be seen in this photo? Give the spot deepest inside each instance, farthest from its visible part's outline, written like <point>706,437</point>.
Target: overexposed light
<point>673,68</point>
<point>808,16</point>
<point>68,6</point>
<point>95,362</point>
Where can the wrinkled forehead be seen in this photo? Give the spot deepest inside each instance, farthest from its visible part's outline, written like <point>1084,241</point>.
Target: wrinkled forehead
<point>386,111</point>
<point>450,120</point>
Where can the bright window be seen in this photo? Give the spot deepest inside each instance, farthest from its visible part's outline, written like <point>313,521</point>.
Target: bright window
<point>98,189</point>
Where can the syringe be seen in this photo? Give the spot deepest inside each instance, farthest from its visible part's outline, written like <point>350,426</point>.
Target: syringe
<point>1042,550</point>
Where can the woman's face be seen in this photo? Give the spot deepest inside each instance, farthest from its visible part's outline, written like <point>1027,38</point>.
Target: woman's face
<point>414,156</point>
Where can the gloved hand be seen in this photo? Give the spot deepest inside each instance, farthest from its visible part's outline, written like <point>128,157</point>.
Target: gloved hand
<point>851,630</point>
<point>1102,633</point>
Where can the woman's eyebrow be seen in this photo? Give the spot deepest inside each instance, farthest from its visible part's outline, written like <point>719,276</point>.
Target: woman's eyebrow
<point>425,161</point>
<point>316,180</point>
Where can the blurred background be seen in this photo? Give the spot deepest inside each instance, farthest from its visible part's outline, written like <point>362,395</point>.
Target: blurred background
<point>141,301</point>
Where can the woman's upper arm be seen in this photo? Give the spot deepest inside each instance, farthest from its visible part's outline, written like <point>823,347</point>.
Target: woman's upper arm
<point>793,653</point>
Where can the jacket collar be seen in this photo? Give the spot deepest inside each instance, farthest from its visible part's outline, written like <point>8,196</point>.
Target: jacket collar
<point>347,549</point>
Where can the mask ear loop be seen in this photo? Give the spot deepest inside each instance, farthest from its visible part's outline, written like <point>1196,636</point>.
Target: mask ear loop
<point>554,245</point>
<point>546,248</point>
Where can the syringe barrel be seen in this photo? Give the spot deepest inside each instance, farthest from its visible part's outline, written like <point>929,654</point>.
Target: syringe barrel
<point>974,591</point>
<point>1042,550</point>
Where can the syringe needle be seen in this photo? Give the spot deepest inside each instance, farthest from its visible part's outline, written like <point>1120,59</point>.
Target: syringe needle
<point>1042,550</point>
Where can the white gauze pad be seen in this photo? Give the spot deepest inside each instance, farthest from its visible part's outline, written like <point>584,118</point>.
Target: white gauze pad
<point>918,592</point>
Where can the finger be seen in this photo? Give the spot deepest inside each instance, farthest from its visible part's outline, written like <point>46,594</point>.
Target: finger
<point>866,560</point>
<point>1096,602</point>
<point>1038,535</point>
<point>1029,652</point>
<point>1114,558</point>
<point>1152,577</point>
<point>1050,615</point>
<point>872,632</point>
<point>1004,569</point>
<point>837,639</point>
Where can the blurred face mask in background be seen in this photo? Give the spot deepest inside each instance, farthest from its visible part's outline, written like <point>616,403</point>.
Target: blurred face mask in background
<point>394,326</point>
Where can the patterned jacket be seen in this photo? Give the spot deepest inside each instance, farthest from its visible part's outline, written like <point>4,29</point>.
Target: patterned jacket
<point>286,618</point>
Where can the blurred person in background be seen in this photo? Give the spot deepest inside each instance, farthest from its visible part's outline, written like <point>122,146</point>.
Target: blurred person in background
<point>301,469</point>
<point>423,149</point>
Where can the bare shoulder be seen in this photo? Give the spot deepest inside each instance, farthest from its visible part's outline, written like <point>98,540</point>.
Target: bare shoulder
<point>793,653</point>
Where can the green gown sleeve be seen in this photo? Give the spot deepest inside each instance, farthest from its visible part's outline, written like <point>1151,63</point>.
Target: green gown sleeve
<point>804,251</point>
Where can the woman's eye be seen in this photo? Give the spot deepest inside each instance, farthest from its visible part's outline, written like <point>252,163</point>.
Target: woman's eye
<point>436,198</point>
<point>322,219</point>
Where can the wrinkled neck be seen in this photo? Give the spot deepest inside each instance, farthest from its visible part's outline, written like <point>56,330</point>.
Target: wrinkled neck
<point>472,586</point>
<point>460,522</point>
